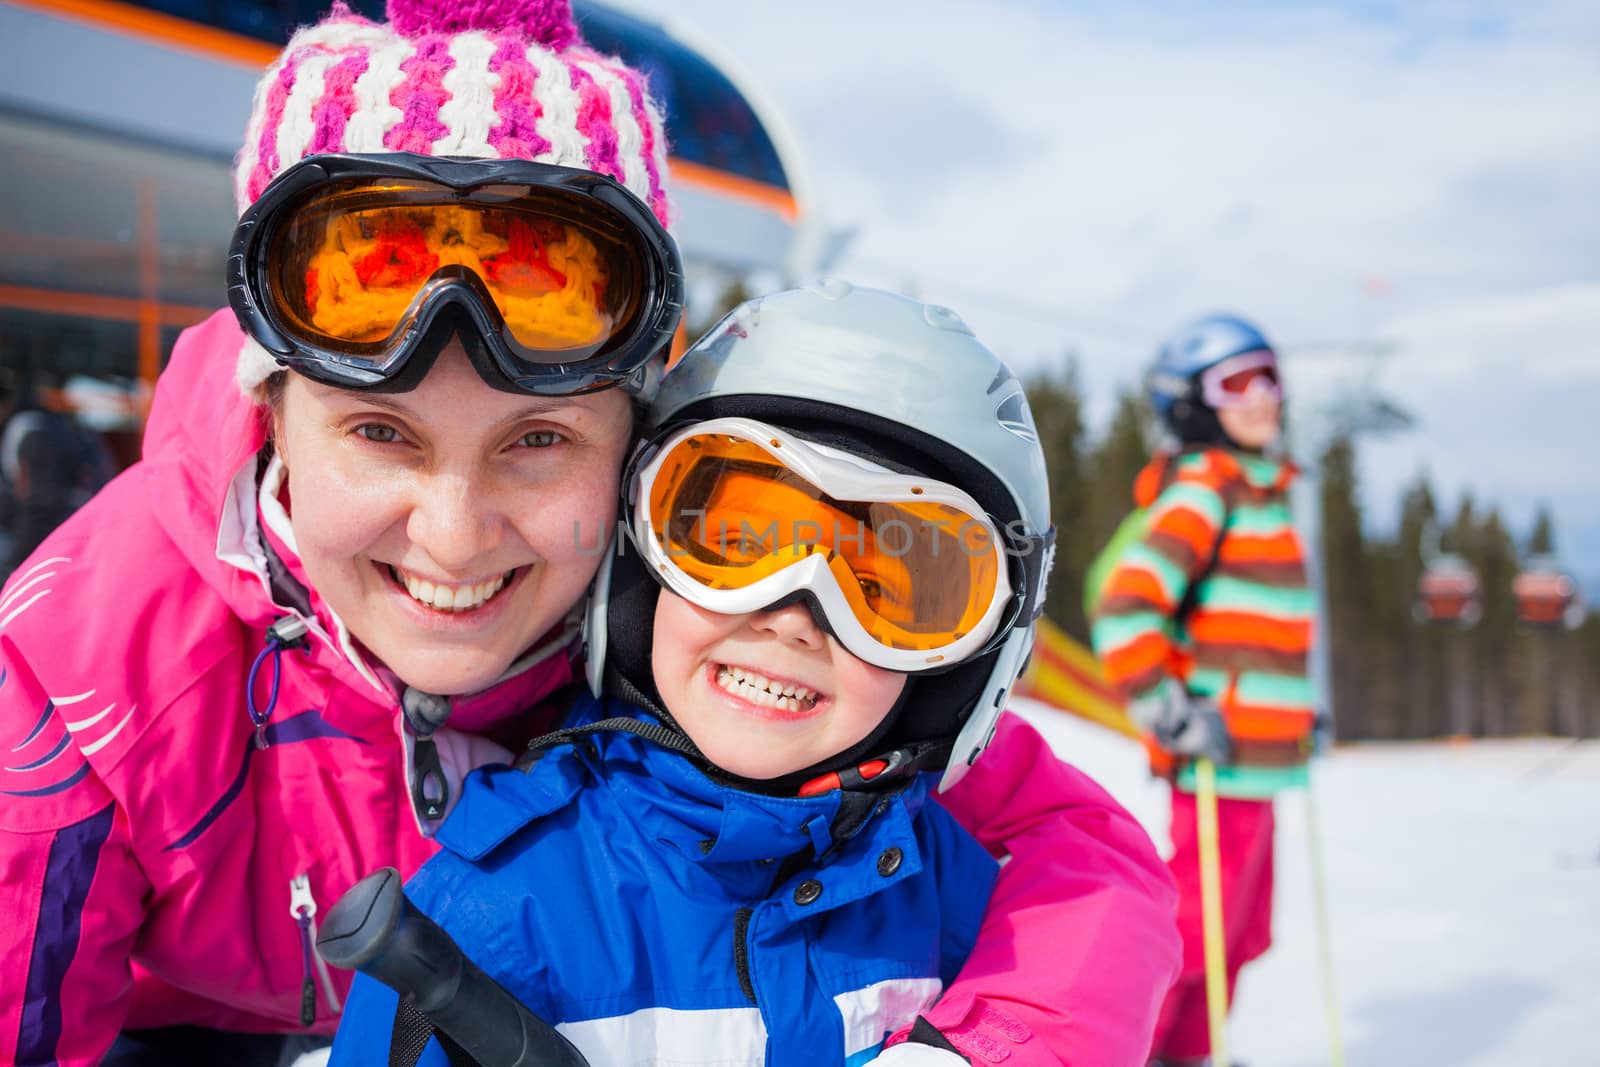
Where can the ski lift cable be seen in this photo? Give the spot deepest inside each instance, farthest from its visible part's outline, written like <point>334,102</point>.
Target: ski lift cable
<point>1024,307</point>
<point>1117,330</point>
<point>1126,334</point>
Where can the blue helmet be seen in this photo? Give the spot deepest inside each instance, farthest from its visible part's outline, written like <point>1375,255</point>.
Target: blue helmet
<point>1174,381</point>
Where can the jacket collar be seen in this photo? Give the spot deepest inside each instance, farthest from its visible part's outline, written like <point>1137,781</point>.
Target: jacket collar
<point>741,837</point>
<point>1220,467</point>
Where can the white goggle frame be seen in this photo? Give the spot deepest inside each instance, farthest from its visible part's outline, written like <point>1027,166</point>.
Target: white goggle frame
<point>1211,379</point>
<point>844,477</point>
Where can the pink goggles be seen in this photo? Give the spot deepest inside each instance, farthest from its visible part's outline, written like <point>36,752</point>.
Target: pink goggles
<point>1241,380</point>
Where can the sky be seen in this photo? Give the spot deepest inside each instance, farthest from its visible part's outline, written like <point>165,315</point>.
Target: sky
<point>1417,178</point>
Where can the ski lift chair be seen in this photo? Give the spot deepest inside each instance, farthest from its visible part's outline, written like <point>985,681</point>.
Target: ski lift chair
<point>1448,592</point>
<point>1546,596</point>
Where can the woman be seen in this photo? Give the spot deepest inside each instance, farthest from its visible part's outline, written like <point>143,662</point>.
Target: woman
<point>222,683</point>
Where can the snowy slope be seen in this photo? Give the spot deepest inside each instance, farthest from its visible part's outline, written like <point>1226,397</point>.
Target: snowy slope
<point>1465,901</point>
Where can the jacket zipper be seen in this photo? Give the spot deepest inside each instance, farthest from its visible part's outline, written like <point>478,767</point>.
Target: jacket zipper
<point>741,952</point>
<point>303,909</point>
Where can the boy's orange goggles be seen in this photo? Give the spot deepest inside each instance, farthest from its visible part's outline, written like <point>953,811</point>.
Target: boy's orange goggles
<point>735,516</point>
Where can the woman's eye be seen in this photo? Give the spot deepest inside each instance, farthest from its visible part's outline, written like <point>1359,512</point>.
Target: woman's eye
<point>378,433</point>
<point>540,439</point>
<point>870,588</point>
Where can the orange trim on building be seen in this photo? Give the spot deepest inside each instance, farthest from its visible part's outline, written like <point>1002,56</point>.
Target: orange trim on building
<point>774,199</point>
<point>162,29</point>
<point>149,284</point>
<point>221,44</point>
<point>91,305</point>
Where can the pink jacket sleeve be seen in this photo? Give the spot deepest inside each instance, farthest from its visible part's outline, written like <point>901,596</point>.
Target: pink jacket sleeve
<point>73,892</point>
<point>1080,941</point>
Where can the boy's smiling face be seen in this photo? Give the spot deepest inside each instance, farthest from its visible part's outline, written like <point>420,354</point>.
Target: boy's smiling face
<point>767,693</point>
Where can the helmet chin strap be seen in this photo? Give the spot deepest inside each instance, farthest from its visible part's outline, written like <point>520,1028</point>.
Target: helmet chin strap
<point>843,768</point>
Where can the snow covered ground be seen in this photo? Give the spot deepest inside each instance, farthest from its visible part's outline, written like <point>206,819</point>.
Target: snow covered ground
<point>1464,901</point>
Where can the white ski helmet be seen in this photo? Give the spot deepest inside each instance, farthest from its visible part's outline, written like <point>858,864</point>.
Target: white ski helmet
<point>898,382</point>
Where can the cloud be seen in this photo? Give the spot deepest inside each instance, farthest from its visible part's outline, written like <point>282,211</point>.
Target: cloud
<point>1505,392</point>
<point>956,132</point>
<point>1534,340</point>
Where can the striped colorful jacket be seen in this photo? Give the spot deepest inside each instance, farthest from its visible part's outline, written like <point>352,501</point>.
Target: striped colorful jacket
<point>1245,635</point>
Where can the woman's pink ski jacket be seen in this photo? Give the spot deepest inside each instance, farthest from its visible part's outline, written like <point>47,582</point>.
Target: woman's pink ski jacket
<point>168,830</point>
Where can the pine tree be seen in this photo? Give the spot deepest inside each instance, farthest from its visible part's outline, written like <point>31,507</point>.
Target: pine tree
<point>1057,405</point>
<point>1494,639</point>
<point>1542,541</point>
<point>1463,682</point>
<point>1422,675</point>
<point>1586,661</point>
<point>1343,559</point>
<point>1121,454</point>
<point>1546,663</point>
<point>1389,635</point>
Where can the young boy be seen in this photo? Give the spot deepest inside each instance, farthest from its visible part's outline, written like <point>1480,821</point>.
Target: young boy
<point>821,601</point>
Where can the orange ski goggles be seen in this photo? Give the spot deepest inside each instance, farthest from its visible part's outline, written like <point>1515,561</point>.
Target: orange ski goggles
<point>345,263</point>
<point>736,516</point>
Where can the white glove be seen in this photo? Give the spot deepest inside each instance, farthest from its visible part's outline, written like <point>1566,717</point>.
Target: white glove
<point>1185,724</point>
<point>915,1054</point>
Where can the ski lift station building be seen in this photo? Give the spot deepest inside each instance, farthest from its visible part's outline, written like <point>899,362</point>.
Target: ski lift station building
<point>119,121</point>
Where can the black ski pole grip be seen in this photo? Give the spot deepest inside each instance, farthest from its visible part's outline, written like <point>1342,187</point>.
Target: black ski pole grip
<point>375,929</point>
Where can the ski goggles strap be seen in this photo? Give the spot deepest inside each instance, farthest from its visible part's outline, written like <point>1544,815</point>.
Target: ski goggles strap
<point>1036,554</point>
<point>736,516</point>
<point>346,262</point>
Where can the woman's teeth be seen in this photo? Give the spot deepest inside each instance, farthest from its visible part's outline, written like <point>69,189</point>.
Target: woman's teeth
<point>450,597</point>
<point>757,689</point>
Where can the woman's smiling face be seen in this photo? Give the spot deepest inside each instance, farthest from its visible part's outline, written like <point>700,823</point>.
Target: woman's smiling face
<point>452,526</point>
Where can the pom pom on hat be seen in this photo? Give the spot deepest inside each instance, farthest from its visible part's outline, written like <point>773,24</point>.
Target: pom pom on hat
<point>548,22</point>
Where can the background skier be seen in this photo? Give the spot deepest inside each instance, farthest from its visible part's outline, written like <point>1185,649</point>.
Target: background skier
<point>1204,624</point>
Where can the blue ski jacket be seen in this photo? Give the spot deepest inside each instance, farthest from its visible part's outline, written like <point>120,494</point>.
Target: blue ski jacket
<point>678,929</point>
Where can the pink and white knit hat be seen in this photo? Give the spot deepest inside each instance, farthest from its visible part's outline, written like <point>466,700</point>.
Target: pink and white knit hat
<point>493,79</point>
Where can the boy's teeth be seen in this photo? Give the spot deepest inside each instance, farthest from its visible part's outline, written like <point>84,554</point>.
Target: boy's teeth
<point>451,597</point>
<point>757,689</point>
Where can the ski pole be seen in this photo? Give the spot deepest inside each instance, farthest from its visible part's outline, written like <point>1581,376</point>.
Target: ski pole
<point>376,929</point>
<point>1205,778</point>
<point>1319,896</point>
